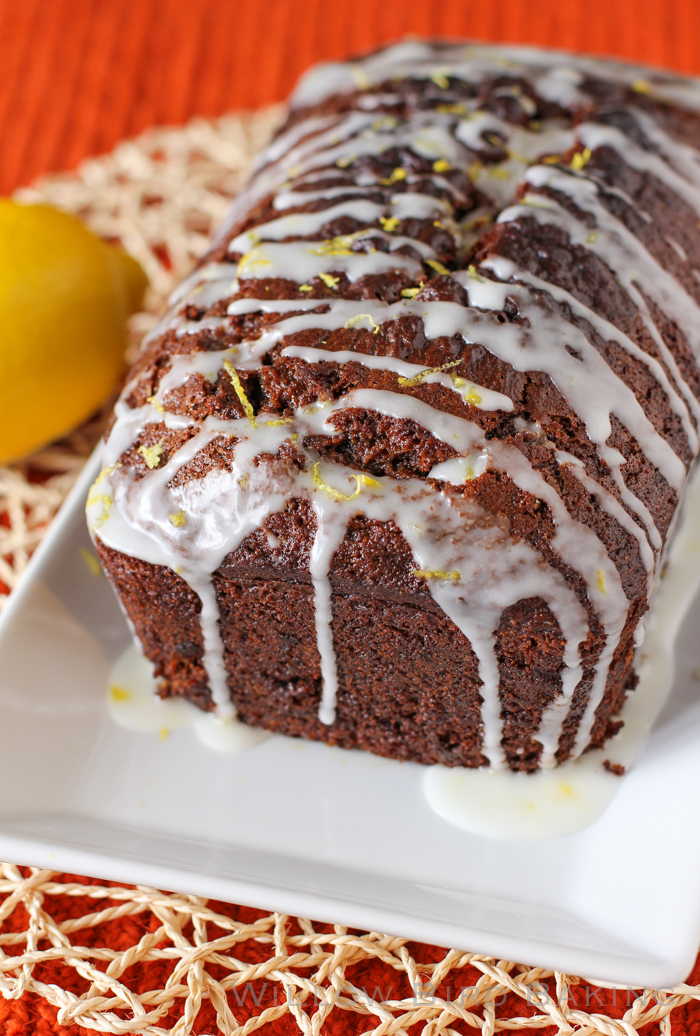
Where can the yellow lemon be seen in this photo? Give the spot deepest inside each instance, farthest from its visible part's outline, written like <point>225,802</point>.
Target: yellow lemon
<point>64,299</point>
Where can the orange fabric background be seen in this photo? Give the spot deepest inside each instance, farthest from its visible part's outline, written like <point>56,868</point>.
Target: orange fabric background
<point>78,75</point>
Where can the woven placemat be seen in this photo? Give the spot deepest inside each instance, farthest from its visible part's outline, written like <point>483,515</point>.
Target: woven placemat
<point>118,959</point>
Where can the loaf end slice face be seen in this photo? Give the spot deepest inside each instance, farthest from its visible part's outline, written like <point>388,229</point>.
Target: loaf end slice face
<point>398,469</point>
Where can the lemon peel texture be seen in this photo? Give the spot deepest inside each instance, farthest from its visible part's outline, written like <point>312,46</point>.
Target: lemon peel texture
<point>65,296</point>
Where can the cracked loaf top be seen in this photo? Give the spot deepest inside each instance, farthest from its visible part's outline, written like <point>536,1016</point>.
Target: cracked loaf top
<point>460,296</point>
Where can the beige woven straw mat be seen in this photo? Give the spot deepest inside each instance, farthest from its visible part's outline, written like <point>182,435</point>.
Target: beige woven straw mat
<point>138,960</point>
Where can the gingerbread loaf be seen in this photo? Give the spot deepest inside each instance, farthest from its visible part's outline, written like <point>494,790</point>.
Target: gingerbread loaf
<point>397,470</point>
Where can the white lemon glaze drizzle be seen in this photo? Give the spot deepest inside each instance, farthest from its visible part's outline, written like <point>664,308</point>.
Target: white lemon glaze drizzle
<point>471,564</point>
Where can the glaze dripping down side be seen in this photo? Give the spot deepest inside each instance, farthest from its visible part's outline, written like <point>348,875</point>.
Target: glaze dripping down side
<point>398,468</point>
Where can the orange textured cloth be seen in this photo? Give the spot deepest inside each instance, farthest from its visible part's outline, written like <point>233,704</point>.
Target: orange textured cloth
<point>78,75</point>
<point>31,1016</point>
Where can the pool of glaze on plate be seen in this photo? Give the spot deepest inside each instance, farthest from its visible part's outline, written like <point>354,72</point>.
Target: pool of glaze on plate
<point>495,803</point>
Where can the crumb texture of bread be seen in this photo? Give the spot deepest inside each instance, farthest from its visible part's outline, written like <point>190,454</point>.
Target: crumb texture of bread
<point>397,470</point>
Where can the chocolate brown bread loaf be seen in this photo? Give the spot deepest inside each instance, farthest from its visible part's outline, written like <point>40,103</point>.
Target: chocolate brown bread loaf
<point>397,470</point>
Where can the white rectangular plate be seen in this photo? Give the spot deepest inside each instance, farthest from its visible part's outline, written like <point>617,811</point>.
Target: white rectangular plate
<point>320,832</point>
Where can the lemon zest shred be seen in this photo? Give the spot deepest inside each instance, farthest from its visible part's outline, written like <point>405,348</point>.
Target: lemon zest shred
<point>441,165</point>
<point>424,573</point>
<point>384,122</point>
<point>389,223</point>
<point>155,404</point>
<point>360,77</point>
<point>250,261</point>
<point>452,109</point>
<point>91,561</point>
<point>164,733</point>
<point>329,280</point>
<point>242,482</point>
<point>437,223</point>
<point>339,245</point>
<point>240,392</point>
<point>498,172</point>
<point>592,238</point>
<point>178,520</point>
<point>335,493</point>
<point>529,199</point>
<point>581,159</point>
<point>305,287</point>
<point>417,378</point>
<point>343,163</point>
<point>410,293</point>
<point>472,396</point>
<point>600,579</point>
<point>101,498</point>
<point>550,159</point>
<point>441,80</point>
<point>439,267</point>
<point>641,86</point>
<point>118,693</point>
<point>105,473</point>
<point>397,174</point>
<point>152,454</point>
<point>471,272</point>
<point>354,321</point>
